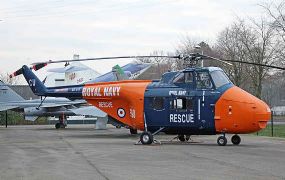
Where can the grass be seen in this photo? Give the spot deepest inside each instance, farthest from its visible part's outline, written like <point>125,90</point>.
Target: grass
<point>278,131</point>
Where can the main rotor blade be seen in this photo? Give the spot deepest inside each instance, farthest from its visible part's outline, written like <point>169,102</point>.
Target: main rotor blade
<point>209,57</point>
<point>103,58</point>
<point>244,62</point>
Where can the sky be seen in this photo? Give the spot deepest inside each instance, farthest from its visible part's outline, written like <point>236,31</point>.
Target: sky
<point>33,31</point>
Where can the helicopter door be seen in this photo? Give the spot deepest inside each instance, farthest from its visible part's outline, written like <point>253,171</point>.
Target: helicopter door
<point>204,99</point>
<point>155,112</point>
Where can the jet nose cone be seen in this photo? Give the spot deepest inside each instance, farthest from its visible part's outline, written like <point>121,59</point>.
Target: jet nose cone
<point>238,112</point>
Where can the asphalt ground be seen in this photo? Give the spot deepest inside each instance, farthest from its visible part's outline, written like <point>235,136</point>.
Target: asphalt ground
<point>80,152</point>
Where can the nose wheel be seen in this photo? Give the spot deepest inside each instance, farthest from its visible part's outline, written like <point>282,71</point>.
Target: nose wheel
<point>236,139</point>
<point>222,140</point>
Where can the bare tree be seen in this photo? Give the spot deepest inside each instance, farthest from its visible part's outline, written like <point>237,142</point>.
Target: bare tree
<point>5,77</point>
<point>258,42</point>
<point>160,65</point>
<point>187,46</point>
<point>276,13</point>
<point>230,47</point>
<point>252,42</point>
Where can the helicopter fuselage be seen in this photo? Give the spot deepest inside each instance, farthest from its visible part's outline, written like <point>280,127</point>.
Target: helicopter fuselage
<point>191,101</point>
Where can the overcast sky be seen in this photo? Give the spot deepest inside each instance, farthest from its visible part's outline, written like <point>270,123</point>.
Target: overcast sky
<point>32,31</point>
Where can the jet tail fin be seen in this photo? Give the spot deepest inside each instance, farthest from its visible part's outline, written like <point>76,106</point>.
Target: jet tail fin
<point>33,81</point>
<point>7,94</point>
<point>119,73</point>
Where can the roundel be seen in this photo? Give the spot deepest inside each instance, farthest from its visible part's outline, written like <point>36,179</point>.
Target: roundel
<point>121,112</point>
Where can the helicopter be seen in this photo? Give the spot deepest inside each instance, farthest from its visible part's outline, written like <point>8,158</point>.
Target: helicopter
<point>192,101</point>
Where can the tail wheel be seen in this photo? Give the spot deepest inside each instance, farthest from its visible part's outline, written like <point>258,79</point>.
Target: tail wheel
<point>236,139</point>
<point>181,137</point>
<point>133,131</point>
<point>222,141</point>
<point>146,138</point>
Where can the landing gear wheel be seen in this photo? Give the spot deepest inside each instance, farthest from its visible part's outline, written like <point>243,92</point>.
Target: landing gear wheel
<point>146,138</point>
<point>236,139</point>
<point>181,137</point>
<point>222,141</point>
<point>133,131</point>
<point>57,125</point>
<point>187,137</point>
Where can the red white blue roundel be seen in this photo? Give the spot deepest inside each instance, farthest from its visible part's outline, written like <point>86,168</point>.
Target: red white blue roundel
<point>121,112</point>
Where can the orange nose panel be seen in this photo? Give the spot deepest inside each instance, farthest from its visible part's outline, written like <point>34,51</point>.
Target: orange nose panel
<point>239,112</point>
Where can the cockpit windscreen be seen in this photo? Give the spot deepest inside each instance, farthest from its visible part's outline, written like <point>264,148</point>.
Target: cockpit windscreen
<point>219,78</point>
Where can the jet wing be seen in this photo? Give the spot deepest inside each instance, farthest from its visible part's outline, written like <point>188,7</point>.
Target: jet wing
<point>7,107</point>
<point>64,103</point>
<point>54,105</point>
<point>89,111</point>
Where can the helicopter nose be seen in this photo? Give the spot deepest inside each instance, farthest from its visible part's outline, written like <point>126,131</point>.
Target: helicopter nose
<point>239,112</point>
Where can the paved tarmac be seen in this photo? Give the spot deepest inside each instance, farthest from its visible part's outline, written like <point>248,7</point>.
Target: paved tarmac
<point>80,152</point>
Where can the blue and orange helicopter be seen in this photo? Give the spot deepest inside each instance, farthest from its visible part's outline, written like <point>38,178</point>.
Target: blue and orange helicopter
<point>193,101</point>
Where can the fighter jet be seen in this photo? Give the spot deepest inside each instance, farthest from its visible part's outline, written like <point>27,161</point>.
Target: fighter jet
<point>32,109</point>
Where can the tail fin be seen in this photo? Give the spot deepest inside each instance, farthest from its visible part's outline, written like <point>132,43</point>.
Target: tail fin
<point>35,84</point>
<point>7,94</point>
<point>119,73</point>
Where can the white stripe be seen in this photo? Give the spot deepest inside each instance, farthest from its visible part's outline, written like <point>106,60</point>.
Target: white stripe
<point>203,101</point>
<point>199,108</point>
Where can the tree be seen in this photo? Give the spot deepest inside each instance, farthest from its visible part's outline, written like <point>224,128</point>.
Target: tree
<point>230,47</point>
<point>276,13</point>
<point>188,46</point>
<point>159,67</point>
<point>248,42</point>
<point>5,77</point>
<point>257,39</point>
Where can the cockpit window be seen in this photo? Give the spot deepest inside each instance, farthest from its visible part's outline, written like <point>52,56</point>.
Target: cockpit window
<point>179,79</point>
<point>186,77</point>
<point>203,80</point>
<point>219,78</point>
